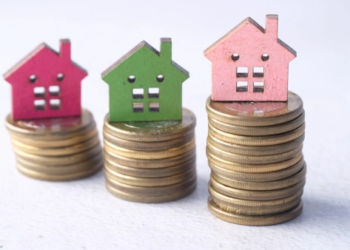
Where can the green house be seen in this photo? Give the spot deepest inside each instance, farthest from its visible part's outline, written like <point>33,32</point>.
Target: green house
<point>145,85</point>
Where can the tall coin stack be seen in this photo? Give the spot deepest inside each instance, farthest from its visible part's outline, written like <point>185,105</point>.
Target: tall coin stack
<point>56,149</point>
<point>254,151</point>
<point>150,161</point>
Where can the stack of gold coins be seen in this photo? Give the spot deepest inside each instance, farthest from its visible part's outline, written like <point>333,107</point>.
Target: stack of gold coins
<point>56,149</point>
<point>254,151</point>
<point>150,161</point>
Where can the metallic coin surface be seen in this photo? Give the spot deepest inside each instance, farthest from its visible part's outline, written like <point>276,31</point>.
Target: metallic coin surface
<point>258,131</point>
<point>247,159</point>
<point>257,140</point>
<point>257,220</point>
<point>150,172</point>
<point>151,199</point>
<point>152,131</point>
<point>256,195</point>
<point>254,177</point>
<point>149,155</point>
<point>253,168</point>
<point>149,182</point>
<point>255,113</point>
<point>148,146</point>
<point>255,150</point>
<point>51,128</point>
<point>262,185</point>
<point>157,163</point>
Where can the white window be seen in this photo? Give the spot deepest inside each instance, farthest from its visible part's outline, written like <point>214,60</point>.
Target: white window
<point>258,72</point>
<point>242,86</point>
<point>138,107</point>
<point>54,90</point>
<point>259,87</point>
<point>55,103</point>
<point>39,104</point>
<point>242,72</point>
<point>137,93</point>
<point>154,107</point>
<point>153,92</point>
<point>39,91</point>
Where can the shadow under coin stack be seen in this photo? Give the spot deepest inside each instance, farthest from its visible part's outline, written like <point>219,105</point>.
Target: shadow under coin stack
<point>56,149</point>
<point>254,150</point>
<point>151,162</point>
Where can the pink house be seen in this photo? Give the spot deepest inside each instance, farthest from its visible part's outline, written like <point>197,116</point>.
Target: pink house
<point>250,63</point>
<point>46,84</point>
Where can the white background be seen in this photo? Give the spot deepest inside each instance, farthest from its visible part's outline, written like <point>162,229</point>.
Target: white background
<point>83,215</point>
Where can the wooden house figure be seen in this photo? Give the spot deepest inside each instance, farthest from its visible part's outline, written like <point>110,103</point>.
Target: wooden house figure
<point>250,63</point>
<point>46,84</point>
<point>145,85</point>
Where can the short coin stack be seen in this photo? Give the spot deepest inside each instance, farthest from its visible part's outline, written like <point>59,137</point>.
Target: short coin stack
<point>150,161</point>
<point>255,154</point>
<point>56,149</point>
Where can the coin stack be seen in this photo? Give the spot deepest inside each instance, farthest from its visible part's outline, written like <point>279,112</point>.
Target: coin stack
<point>57,149</point>
<point>254,151</point>
<point>150,162</point>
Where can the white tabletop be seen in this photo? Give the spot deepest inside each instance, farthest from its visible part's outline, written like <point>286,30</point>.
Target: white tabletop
<point>83,215</point>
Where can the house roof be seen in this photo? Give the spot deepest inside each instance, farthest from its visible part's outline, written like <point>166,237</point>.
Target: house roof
<point>133,50</point>
<point>240,25</point>
<point>33,53</point>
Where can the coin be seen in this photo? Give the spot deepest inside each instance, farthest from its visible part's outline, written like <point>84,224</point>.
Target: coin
<point>257,220</point>
<point>152,131</point>
<point>148,155</point>
<point>52,128</point>
<point>253,168</point>
<point>255,113</point>
<point>255,150</point>
<point>265,176</point>
<point>149,182</point>
<point>148,146</point>
<point>257,140</point>
<point>157,163</point>
<point>256,195</point>
<point>262,185</point>
<point>247,159</point>
<point>258,131</point>
<point>152,199</point>
<point>150,172</point>
<point>152,191</point>
<point>60,151</point>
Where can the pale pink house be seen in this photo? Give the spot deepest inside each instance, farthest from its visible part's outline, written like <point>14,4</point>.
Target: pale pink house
<point>250,63</point>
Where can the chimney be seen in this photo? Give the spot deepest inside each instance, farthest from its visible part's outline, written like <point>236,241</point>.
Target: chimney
<point>165,48</point>
<point>65,49</point>
<point>272,26</point>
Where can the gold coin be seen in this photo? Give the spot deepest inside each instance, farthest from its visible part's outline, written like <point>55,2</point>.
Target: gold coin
<point>256,195</point>
<point>153,130</point>
<point>149,182</point>
<point>265,176</point>
<point>255,220</point>
<point>148,146</point>
<point>253,168</point>
<point>152,191</point>
<point>61,169</point>
<point>62,151</point>
<point>158,163</point>
<point>151,199</point>
<point>255,150</point>
<point>251,204</point>
<point>92,132</point>
<point>59,177</point>
<point>150,172</point>
<point>59,160</point>
<point>257,140</point>
<point>258,131</point>
<point>149,155</point>
<point>255,114</point>
<point>262,185</point>
<point>247,159</point>
<point>52,128</point>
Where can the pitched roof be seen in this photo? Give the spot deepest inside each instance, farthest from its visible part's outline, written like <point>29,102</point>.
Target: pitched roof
<point>240,25</point>
<point>133,50</point>
<point>33,53</point>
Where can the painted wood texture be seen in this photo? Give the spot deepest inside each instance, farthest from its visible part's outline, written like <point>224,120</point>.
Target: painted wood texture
<point>46,84</point>
<point>145,85</point>
<point>246,49</point>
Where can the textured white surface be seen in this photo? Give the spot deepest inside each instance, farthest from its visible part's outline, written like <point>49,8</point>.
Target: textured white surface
<point>83,215</point>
